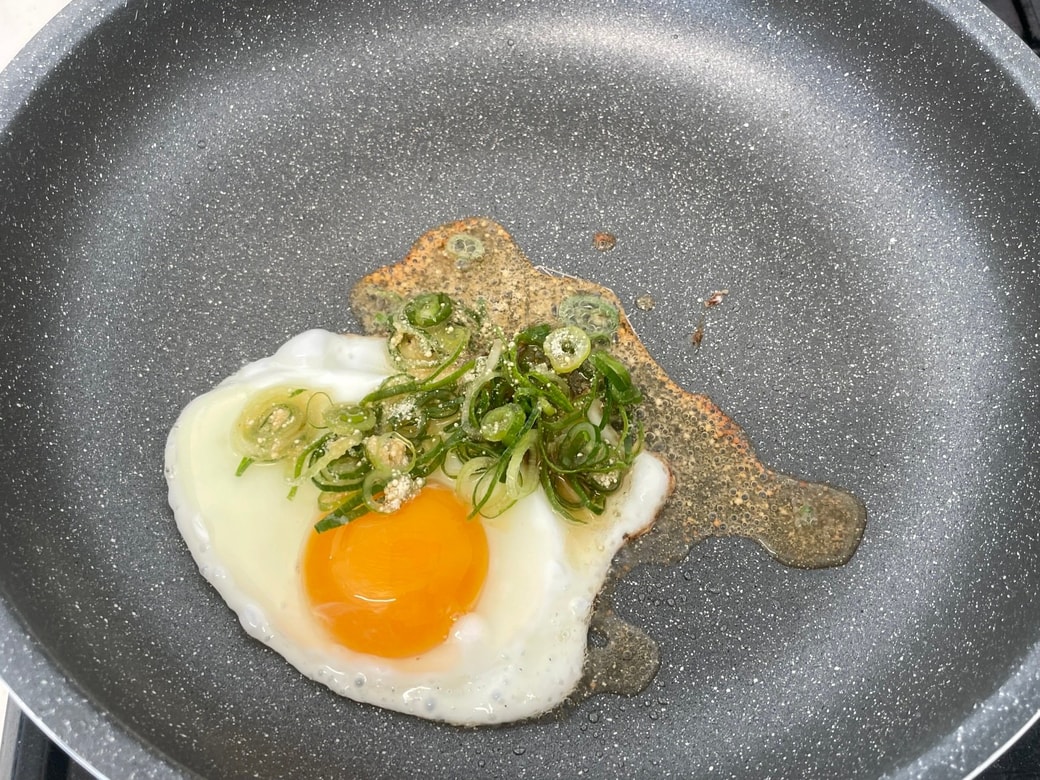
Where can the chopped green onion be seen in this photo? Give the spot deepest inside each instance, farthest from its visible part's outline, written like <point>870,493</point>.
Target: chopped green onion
<point>593,314</point>
<point>398,384</point>
<point>441,404</point>
<point>580,447</point>
<point>372,490</point>
<point>619,381</point>
<point>522,471</point>
<point>350,509</point>
<point>390,452</point>
<point>345,419</point>
<point>346,472</point>
<point>542,408</point>
<point>273,425</point>
<point>464,247</point>
<point>425,311</point>
<point>567,348</point>
<point>503,423</point>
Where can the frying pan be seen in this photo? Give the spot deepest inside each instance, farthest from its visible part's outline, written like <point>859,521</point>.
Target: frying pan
<point>186,184</point>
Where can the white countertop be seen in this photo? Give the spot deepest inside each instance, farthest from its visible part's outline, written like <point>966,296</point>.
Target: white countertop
<point>20,20</point>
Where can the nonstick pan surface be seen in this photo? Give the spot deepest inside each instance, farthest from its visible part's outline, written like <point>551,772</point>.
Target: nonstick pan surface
<point>187,184</point>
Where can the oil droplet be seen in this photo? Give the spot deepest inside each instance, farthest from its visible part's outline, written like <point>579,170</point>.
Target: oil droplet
<point>645,302</point>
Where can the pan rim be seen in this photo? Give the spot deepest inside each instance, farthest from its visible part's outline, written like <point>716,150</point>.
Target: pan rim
<point>41,688</point>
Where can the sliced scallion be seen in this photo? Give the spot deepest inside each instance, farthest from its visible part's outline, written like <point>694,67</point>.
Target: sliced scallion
<point>550,406</point>
<point>593,314</point>
<point>567,348</point>
<point>425,311</point>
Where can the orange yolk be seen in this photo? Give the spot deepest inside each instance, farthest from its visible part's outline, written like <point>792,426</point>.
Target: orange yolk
<point>392,585</point>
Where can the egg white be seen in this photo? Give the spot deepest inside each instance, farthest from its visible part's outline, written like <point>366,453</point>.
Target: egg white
<point>517,654</point>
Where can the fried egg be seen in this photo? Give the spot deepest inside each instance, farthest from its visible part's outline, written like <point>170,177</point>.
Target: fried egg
<point>424,611</point>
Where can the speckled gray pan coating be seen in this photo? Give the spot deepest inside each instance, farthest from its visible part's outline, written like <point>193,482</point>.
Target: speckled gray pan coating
<point>185,185</point>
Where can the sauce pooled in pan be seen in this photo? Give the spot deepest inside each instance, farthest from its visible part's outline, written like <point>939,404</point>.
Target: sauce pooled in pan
<point>721,487</point>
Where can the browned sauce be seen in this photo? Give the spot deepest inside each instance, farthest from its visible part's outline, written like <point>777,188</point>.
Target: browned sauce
<point>721,488</point>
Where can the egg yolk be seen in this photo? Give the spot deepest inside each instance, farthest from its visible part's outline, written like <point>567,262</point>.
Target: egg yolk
<point>392,585</point>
